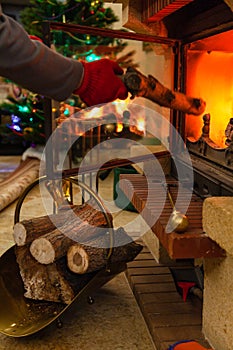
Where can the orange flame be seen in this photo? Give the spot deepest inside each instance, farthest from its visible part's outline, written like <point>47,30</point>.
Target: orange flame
<point>210,76</point>
<point>119,127</point>
<point>94,116</point>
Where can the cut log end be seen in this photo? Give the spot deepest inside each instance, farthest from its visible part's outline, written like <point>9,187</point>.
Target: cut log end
<point>77,259</point>
<point>93,256</point>
<point>43,251</point>
<point>19,234</point>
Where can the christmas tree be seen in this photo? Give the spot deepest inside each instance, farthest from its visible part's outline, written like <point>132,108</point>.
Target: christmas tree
<point>83,12</point>
<point>25,119</point>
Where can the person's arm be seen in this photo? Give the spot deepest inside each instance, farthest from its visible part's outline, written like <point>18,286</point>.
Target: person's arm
<point>36,67</point>
<point>33,65</point>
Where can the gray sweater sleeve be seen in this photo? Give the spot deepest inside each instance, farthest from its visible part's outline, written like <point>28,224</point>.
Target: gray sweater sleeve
<point>33,65</point>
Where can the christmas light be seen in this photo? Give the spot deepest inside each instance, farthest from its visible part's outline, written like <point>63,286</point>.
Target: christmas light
<point>92,57</point>
<point>88,41</point>
<point>15,119</point>
<point>66,112</point>
<point>24,109</point>
<point>16,128</point>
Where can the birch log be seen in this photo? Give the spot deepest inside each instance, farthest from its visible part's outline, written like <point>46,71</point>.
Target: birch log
<point>150,88</point>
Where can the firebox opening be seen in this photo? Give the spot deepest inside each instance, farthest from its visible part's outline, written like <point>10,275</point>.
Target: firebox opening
<point>210,76</point>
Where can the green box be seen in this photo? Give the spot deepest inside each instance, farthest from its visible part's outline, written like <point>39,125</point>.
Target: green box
<point>119,197</point>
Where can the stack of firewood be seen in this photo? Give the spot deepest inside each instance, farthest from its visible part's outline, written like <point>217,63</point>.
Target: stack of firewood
<point>58,254</point>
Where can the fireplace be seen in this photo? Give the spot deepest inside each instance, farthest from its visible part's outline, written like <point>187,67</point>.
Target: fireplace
<point>204,68</point>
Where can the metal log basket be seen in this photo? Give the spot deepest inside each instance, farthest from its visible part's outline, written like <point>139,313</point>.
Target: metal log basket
<point>21,316</point>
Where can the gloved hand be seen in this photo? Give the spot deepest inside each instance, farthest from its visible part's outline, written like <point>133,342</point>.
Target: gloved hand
<point>100,83</point>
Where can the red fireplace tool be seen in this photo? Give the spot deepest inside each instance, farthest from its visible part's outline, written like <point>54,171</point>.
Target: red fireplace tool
<point>185,287</point>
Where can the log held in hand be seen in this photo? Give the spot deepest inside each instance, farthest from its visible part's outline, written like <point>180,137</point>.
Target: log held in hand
<point>150,88</point>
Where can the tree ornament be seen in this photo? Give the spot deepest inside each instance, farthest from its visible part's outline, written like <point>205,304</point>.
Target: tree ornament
<point>28,130</point>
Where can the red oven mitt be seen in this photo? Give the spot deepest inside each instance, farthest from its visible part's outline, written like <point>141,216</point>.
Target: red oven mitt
<point>187,345</point>
<point>100,82</point>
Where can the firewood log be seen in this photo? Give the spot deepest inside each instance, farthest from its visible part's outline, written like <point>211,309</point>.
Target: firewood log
<point>150,88</point>
<point>54,282</point>
<point>42,282</point>
<point>94,255</point>
<point>53,245</point>
<point>26,231</point>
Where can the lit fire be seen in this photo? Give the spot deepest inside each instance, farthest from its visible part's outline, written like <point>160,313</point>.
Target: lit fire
<point>210,76</point>
<point>141,124</point>
<point>118,107</point>
<point>119,127</point>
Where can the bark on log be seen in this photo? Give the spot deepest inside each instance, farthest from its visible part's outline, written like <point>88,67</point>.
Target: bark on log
<point>81,228</point>
<point>26,231</point>
<point>150,88</point>
<point>42,282</point>
<point>93,256</point>
<point>52,282</point>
